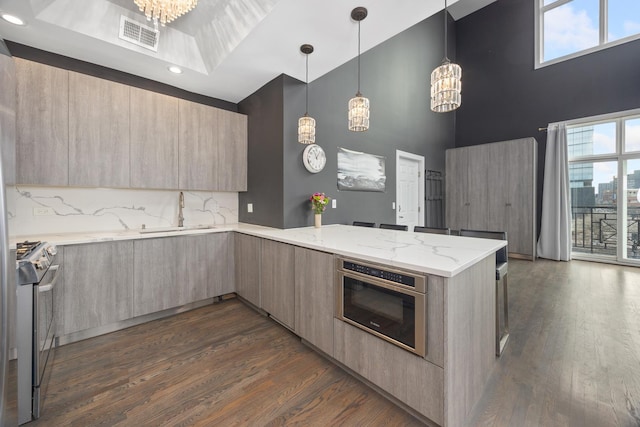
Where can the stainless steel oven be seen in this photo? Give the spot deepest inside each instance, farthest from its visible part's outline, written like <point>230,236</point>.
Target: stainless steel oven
<point>37,274</point>
<point>385,302</point>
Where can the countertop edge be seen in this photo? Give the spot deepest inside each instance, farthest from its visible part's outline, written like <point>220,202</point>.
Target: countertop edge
<point>275,234</point>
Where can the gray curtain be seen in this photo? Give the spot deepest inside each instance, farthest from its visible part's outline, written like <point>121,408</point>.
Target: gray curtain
<point>555,230</point>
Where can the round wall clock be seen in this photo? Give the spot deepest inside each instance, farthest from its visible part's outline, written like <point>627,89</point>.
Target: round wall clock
<point>314,158</point>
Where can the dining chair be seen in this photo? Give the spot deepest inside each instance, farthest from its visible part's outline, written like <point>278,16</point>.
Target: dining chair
<point>364,224</point>
<point>502,336</point>
<point>432,230</point>
<point>395,227</point>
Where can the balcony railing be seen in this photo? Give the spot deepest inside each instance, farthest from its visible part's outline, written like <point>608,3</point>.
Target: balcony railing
<point>594,229</point>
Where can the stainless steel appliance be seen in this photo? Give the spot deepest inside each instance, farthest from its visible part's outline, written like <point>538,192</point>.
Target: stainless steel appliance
<point>36,273</point>
<point>385,302</point>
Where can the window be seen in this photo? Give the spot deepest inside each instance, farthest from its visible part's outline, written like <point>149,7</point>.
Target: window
<point>604,178</point>
<point>569,28</point>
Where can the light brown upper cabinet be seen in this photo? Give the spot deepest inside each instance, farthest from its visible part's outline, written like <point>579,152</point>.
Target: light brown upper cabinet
<point>8,118</point>
<point>98,132</point>
<point>83,131</point>
<point>154,140</point>
<point>198,146</point>
<point>232,151</point>
<point>42,124</point>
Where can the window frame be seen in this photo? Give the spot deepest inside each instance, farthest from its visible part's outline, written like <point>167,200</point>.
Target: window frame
<point>621,157</point>
<point>603,23</point>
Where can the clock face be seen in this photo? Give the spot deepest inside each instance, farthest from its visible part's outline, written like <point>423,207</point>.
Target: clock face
<point>314,158</point>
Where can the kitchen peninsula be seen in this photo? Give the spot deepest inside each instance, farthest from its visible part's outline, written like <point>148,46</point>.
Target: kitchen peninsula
<point>290,274</point>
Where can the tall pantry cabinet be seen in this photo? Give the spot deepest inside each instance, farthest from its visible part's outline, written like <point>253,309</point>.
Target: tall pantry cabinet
<point>493,187</point>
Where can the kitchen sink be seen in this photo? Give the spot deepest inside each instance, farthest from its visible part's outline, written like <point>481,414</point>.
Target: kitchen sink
<point>171,229</point>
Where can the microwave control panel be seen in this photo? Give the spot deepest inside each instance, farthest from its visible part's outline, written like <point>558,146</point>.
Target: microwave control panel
<point>379,273</point>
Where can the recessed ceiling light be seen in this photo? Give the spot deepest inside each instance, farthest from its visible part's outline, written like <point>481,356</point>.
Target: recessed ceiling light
<point>175,69</point>
<point>12,19</point>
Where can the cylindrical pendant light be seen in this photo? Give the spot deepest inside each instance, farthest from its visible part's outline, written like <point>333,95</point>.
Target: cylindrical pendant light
<point>359,105</point>
<point>445,80</point>
<point>306,124</point>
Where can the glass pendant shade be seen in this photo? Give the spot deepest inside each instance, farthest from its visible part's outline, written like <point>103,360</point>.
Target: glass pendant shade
<point>446,87</point>
<point>306,130</point>
<point>358,113</point>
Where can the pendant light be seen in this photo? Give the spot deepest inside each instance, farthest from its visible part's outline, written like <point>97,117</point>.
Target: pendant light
<point>445,80</point>
<point>358,106</point>
<point>306,124</point>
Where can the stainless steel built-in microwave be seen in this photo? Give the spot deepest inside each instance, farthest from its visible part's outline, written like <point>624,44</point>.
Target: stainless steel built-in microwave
<point>390,304</point>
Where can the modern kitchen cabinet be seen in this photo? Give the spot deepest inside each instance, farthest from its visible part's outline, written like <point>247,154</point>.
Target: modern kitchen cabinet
<point>98,132</point>
<point>248,250</point>
<point>79,130</point>
<point>198,146</point>
<point>232,151</point>
<point>8,118</point>
<point>493,187</point>
<point>98,285</point>
<point>314,295</point>
<point>206,266</point>
<point>277,279</point>
<point>156,283</point>
<point>42,124</point>
<point>468,206</point>
<point>154,140</point>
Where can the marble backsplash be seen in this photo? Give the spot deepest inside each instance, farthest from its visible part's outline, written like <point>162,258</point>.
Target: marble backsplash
<point>39,210</point>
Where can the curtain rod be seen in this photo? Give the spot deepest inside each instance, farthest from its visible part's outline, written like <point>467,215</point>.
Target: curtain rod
<point>542,129</point>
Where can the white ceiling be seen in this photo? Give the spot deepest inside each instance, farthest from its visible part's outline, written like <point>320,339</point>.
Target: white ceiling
<point>227,48</point>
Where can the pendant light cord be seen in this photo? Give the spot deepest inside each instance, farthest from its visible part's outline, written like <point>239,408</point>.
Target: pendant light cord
<point>307,88</point>
<point>446,36</point>
<point>358,58</point>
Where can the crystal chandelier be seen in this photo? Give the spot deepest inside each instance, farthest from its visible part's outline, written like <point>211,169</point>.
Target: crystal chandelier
<point>306,124</point>
<point>445,80</point>
<point>165,11</point>
<point>358,106</point>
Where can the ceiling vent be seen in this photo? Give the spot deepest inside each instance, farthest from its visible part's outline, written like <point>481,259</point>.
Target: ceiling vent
<point>138,34</point>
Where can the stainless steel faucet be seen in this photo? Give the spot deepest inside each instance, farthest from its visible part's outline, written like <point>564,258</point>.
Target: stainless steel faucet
<point>180,207</point>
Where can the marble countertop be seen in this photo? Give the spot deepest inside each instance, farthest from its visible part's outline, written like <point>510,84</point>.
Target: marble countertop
<point>427,253</point>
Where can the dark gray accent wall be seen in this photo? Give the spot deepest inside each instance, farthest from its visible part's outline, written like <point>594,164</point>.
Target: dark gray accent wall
<point>395,77</point>
<point>265,159</point>
<point>504,97</point>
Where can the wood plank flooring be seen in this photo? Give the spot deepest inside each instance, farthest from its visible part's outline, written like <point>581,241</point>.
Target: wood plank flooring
<point>574,353</point>
<point>573,360</point>
<point>220,365</point>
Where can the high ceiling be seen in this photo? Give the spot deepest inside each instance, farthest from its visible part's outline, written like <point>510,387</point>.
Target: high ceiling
<point>227,48</point>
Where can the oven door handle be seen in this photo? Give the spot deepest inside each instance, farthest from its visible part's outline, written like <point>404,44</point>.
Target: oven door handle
<point>49,286</point>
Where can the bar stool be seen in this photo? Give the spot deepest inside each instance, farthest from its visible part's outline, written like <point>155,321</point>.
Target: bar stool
<point>432,230</point>
<point>394,227</point>
<point>364,224</point>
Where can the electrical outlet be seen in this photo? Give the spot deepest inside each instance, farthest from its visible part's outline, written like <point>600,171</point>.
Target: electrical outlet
<point>334,203</point>
<point>393,205</point>
<point>250,207</point>
<point>43,211</point>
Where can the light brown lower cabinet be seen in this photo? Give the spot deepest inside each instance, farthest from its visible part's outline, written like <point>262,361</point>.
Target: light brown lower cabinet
<point>97,285</point>
<point>174,271</point>
<point>314,295</point>
<point>247,261</point>
<point>277,281</point>
<point>109,282</point>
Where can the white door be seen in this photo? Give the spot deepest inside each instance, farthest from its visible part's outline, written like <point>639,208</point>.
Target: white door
<point>409,189</point>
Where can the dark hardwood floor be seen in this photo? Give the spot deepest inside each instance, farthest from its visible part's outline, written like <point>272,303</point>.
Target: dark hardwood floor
<point>220,365</point>
<point>574,353</point>
<point>573,360</point>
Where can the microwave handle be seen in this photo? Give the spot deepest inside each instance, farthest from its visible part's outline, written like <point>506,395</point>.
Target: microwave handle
<point>49,286</point>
